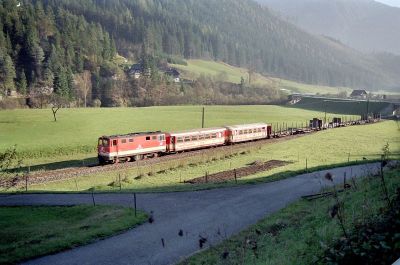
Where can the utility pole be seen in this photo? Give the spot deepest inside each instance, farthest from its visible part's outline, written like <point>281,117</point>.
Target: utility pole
<point>202,119</point>
<point>325,114</point>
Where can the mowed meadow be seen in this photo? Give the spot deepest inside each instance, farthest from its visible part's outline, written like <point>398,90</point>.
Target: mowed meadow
<point>74,136</point>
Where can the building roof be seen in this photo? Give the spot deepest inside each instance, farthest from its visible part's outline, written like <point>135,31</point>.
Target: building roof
<point>172,72</point>
<point>358,92</point>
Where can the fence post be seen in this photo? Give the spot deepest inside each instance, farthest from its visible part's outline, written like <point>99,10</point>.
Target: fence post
<point>94,202</point>
<point>26,182</point>
<point>134,202</point>
<point>206,176</point>
<point>119,179</point>
<point>234,171</point>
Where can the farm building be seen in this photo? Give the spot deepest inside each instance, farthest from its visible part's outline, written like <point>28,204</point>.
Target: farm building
<point>359,93</point>
<point>174,74</point>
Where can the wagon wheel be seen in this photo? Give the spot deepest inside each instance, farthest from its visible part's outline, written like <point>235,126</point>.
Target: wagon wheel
<point>138,157</point>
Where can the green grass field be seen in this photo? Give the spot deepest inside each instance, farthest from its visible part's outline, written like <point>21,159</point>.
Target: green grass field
<point>233,74</point>
<point>28,232</point>
<point>320,150</point>
<point>302,232</point>
<point>74,136</point>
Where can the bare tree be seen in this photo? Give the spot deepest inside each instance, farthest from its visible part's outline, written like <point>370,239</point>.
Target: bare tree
<point>57,102</point>
<point>83,82</point>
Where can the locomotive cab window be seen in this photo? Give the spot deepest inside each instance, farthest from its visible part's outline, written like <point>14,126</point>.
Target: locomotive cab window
<point>115,142</point>
<point>147,138</point>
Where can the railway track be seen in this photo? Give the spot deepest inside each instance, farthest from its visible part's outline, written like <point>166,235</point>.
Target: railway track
<point>67,173</point>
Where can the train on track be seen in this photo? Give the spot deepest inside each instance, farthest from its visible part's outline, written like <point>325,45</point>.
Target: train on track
<point>137,146</point>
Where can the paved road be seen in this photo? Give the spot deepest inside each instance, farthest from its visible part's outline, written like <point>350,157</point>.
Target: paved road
<point>202,213</point>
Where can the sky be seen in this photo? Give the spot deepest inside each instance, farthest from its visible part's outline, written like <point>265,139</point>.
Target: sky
<point>390,2</point>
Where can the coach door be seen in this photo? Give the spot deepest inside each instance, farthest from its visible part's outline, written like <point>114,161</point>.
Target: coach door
<point>173,143</point>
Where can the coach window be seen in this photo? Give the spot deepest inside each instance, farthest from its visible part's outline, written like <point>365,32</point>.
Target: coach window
<point>115,142</point>
<point>208,136</point>
<point>187,139</point>
<point>214,135</point>
<point>180,140</point>
<point>147,138</point>
<point>194,138</point>
<point>201,137</point>
<point>123,141</point>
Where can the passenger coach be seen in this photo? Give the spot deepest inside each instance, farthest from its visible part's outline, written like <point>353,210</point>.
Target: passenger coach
<point>248,132</point>
<point>195,139</point>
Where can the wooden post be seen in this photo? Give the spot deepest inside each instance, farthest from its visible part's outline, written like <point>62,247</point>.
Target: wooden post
<point>76,184</point>
<point>202,118</point>
<point>235,174</point>
<point>119,179</point>
<point>94,202</point>
<point>134,202</point>
<point>26,182</point>
<point>206,176</point>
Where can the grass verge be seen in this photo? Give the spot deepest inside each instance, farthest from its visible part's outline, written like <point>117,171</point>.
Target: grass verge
<point>304,231</point>
<point>28,232</point>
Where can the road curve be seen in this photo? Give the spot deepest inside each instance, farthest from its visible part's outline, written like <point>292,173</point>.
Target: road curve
<point>202,213</point>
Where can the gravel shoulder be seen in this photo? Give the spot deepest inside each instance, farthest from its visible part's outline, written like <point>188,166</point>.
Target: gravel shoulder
<point>211,214</point>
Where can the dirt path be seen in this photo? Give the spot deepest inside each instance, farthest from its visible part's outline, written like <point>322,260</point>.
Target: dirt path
<point>213,214</point>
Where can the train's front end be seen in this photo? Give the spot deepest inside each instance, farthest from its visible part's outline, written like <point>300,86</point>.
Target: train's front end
<point>104,150</point>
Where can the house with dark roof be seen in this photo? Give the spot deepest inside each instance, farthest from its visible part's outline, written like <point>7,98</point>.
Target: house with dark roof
<point>359,93</point>
<point>174,74</point>
<point>137,71</point>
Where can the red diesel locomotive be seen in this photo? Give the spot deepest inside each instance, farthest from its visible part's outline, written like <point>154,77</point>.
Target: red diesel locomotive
<point>137,146</point>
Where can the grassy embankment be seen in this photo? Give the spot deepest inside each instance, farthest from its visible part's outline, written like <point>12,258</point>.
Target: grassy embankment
<point>195,68</point>
<point>320,150</point>
<point>341,106</point>
<point>28,232</point>
<point>74,136</point>
<point>304,231</point>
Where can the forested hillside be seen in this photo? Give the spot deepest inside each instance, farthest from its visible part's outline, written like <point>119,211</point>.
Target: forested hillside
<point>42,47</point>
<point>64,44</point>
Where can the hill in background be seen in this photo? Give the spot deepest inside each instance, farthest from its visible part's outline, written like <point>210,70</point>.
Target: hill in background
<point>366,25</point>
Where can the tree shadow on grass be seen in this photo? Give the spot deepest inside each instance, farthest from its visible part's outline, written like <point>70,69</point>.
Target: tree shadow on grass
<point>75,163</point>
